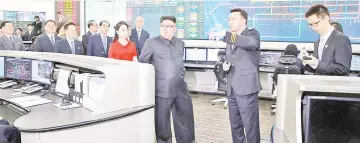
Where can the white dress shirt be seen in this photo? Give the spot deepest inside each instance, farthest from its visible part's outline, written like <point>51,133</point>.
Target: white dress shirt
<point>321,44</point>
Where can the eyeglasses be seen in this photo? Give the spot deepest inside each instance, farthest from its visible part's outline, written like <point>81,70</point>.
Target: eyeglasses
<point>314,24</point>
<point>167,26</point>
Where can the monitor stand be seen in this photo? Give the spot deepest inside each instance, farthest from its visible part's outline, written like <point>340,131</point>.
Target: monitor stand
<point>21,83</point>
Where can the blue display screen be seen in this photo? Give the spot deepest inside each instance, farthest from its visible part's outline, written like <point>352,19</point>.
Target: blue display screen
<point>275,20</point>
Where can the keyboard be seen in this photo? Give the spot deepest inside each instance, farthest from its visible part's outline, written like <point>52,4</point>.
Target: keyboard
<point>7,84</point>
<point>33,89</point>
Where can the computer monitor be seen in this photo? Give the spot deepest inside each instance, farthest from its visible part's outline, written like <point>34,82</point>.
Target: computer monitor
<point>17,68</point>
<point>2,67</point>
<point>270,59</point>
<point>212,54</point>
<point>41,71</point>
<point>355,63</point>
<point>195,54</point>
<point>330,119</point>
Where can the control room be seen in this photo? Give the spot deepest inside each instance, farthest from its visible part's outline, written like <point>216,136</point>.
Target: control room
<point>179,71</point>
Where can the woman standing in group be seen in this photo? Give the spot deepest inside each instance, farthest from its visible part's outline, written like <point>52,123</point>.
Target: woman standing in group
<point>121,48</point>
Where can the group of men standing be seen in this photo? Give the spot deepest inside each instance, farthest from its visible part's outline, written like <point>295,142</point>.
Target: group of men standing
<point>331,56</point>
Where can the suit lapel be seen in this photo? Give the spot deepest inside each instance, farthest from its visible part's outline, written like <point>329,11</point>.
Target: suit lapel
<point>315,53</point>
<point>329,40</point>
<point>69,48</point>
<point>9,43</point>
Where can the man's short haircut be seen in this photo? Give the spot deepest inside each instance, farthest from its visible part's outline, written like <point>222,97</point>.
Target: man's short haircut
<point>90,23</point>
<point>243,13</point>
<point>66,26</point>
<point>58,12</point>
<point>338,26</point>
<point>4,23</point>
<point>171,18</point>
<point>317,9</point>
<point>104,22</point>
<point>29,25</point>
<point>21,30</point>
<point>50,21</point>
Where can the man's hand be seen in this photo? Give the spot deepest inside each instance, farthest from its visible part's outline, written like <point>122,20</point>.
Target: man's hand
<point>226,66</point>
<point>217,35</point>
<point>311,61</point>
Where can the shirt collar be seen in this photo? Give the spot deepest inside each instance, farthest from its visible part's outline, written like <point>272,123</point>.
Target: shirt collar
<point>166,41</point>
<point>49,35</point>
<point>69,40</point>
<point>138,30</point>
<point>325,37</point>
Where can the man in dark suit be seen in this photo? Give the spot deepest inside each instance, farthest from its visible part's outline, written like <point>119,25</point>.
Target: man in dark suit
<point>93,29</point>
<point>28,34</point>
<point>8,41</point>
<point>243,82</point>
<point>69,45</point>
<point>38,25</point>
<point>98,44</point>
<point>332,52</point>
<point>46,41</point>
<point>139,35</point>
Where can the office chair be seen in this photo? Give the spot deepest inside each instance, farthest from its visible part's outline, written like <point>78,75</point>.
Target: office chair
<point>286,65</point>
<point>221,78</point>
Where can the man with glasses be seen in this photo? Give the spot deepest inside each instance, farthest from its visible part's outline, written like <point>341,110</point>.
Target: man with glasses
<point>93,29</point>
<point>332,52</point>
<point>165,53</point>
<point>46,41</point>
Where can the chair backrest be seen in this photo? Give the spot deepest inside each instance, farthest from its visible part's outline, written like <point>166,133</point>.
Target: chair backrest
<point>219,72</point>
<point>286,65</point>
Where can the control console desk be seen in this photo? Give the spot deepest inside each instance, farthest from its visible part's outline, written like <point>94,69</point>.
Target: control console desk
<point>123,112</point>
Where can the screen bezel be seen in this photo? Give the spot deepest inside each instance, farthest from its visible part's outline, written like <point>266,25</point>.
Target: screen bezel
<point>4,62</point>
<point>307,132</point>
<point>196,60</point>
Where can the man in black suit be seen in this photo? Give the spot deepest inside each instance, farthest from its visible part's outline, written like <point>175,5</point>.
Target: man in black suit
<point>38,25</point>
<point>98,44</point>
<point>28,34</point>
<point>93,29</point>
<point>139,35</point>
<point>332,52</point>
<point>69,45</point>
<point>46,41</point>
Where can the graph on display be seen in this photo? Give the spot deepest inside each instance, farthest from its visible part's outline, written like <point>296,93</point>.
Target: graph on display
<point>2,67</point>
<point>269,59</point>
<point>41,71</point>
<point>275,20</point>
<point>18,68</point>
<point>355,63</point>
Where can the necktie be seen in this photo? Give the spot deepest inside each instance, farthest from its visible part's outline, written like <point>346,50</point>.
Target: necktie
<point>139,35</point>
<point>105,43</point>
<point>72,47</point>
<point>320,48</point>
<point>52,40</point>
<point>12,42</point>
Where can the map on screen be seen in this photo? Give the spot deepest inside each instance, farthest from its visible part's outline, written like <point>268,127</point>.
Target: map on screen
<point>41,71</point>
<point>275,20</point>
<point>18,68</point>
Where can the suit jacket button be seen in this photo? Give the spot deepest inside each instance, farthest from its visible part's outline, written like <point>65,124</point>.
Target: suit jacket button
<point>233,56</point>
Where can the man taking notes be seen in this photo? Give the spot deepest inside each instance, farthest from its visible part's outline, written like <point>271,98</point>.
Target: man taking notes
<point>332,52</point>
<point>165,52</point>
<point>243,55</point>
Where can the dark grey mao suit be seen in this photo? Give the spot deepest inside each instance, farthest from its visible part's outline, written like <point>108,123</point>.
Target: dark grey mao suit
<point>171,90</point>
<point>243,85</point>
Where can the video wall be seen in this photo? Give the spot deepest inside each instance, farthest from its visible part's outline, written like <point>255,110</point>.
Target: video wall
<point>20,18</point>
<point>275,20</point>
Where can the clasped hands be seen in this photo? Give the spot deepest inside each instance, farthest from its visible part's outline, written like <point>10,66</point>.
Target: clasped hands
<point>308,59</point>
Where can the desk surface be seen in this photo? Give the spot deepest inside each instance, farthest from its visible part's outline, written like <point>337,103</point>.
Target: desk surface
<point>47,117</point>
